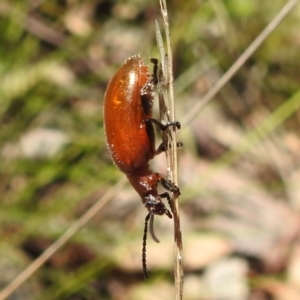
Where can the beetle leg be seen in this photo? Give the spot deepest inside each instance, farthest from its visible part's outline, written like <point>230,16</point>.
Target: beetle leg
<point>155,70</point>
<point>162,147</point>
<point>164,127</point>
<point>168,185</point>
<point>166,195</point>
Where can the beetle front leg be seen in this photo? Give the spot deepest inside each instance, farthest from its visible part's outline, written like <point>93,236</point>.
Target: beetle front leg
<point>166,195</point>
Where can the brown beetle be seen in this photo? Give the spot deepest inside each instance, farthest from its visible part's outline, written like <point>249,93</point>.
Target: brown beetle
<point>130,136</point>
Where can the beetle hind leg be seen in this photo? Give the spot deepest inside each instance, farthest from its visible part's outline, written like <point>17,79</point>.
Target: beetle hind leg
<point>163,148</point>
<point>163,127</point>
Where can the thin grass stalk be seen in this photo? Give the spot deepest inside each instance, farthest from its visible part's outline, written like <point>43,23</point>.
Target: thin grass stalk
<point>77,225</point>
<point>167,96</point>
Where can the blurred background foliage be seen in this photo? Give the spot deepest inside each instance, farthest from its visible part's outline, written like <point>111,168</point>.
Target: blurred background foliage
<point>239,168</point>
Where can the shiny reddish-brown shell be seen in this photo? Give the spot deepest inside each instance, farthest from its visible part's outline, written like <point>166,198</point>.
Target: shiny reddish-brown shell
<point>129,138</point>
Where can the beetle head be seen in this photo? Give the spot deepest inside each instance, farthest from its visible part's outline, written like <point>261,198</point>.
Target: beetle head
<point>156,206</point>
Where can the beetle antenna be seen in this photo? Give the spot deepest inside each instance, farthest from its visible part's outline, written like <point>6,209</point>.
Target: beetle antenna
<point>151,228</point>
<point>144,263</point>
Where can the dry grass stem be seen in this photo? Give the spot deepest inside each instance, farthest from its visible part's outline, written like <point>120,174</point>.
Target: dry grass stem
<point>168,98</point>
<point>240,61</point>
<point>36,264</point>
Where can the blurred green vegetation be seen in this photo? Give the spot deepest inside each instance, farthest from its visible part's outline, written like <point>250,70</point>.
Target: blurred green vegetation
<point>56,58</point>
